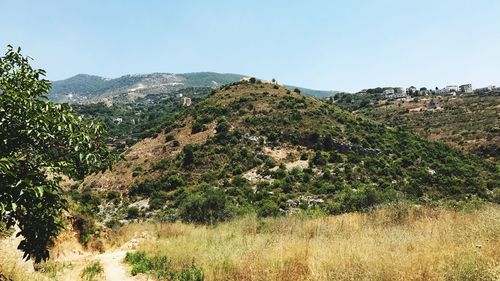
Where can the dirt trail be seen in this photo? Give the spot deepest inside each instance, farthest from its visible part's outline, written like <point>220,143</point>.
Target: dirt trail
<point>114,269</point>
<point>74,262</point>
<point>112,263</point>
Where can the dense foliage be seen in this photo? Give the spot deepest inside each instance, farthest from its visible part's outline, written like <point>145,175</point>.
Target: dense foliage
<point>40,142</point>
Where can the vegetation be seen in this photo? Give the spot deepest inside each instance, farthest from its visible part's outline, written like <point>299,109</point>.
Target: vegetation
<point>425,243</point>
<point>160,267</point>
<point>41,142</point>
<point>353,164</point>
<point>467,122</point>
<point>92,271</point>
<point>126,122</point>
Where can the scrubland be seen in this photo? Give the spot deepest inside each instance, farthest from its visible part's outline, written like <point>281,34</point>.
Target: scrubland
<point>393,243</point>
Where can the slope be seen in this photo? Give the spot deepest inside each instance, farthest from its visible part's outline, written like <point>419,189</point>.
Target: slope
<point>260,147</point>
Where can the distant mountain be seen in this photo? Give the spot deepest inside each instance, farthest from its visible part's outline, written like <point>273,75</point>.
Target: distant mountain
<point>84,88</point>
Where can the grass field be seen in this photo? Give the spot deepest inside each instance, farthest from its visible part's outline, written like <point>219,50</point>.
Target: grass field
<point>395,243</point>
<point>403,242</point>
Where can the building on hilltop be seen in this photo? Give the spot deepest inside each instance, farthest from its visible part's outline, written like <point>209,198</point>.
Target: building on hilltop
<point>466,88</point>
<point>186,101</point>
<point>485,90</point>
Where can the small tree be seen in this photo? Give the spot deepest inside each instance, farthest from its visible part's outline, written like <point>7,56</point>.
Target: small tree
<point>40,142</point>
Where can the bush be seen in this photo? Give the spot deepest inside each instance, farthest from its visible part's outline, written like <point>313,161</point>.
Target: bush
<point>113,223</point>
<point>85,227</point>
<point>304,156</point>
<point>113,195</point>
<point>209,205</point>
<point>92,271</point>
<point>169,138</point>
<point>132,212</point>
<point>161,268</point>
<point>268,208</point>
<point>495,195</point>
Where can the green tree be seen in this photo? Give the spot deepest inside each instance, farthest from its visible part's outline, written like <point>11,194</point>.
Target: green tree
<point>40,142</point>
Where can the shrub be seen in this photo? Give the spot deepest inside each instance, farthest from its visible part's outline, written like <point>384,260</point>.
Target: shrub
<point>113,223</point>
<point>132,212</point>
<point>209,205</point>
<point>304,156</point>
<point>113,195</point>
<point>268,208</point>
<point>92,271</point>
<point>85,227</point>
<point>296,90</point>
<point>160,267</point>
<point>169,138</point>
<point>496,195</point>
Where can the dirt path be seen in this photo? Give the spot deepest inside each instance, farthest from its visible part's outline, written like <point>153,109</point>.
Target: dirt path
<point>74,262</point>
<point>114,269</point>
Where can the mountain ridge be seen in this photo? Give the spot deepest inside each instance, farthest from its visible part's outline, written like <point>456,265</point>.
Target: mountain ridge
<point>83,88</point>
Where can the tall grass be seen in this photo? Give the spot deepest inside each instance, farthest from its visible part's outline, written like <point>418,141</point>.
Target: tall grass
<point>402,242</point>
<point>92,271</point>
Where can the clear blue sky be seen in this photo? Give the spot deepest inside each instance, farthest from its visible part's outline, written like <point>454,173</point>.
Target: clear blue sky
<point>340,45</point>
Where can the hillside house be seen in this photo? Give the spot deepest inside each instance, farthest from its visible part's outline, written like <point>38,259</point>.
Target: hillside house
<point>485,90</point>
<point>186,101</point>
<point>446,92</point>
<point>452,88</point>
<point>466,89</point>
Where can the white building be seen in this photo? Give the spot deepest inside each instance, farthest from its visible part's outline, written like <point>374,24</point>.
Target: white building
<point>186,101</point>
<point>452,88</point>
<point>467,88</point>
<point>486,89</point>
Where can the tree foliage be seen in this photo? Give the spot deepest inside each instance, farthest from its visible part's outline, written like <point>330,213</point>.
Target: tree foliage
<point>40,142</point>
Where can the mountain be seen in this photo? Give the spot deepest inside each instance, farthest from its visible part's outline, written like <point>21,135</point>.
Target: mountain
<point>84,88</point>
<point>259,146</point>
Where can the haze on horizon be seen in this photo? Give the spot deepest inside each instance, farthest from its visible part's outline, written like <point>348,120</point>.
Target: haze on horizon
<point>327,45</point>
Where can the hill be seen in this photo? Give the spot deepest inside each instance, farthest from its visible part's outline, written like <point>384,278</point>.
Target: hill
<point>467,122</point>
<point>258,147</point>
<point>84,88</point>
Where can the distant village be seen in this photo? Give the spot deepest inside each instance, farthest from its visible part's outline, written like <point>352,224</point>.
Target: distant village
<point>386,94</point>
<point>400,93</point>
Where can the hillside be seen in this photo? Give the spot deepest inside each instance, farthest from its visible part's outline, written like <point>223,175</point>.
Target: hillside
<point>127,122</point>
<point>468,122</point>
<point>84,88</point>
<point>260,147</point>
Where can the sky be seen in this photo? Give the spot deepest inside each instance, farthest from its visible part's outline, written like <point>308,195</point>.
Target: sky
<point>345,45</point>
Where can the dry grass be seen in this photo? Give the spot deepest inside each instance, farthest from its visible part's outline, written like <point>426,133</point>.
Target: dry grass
<point>394,243</point>
<point>11,264</point>
<point>399,243</point>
